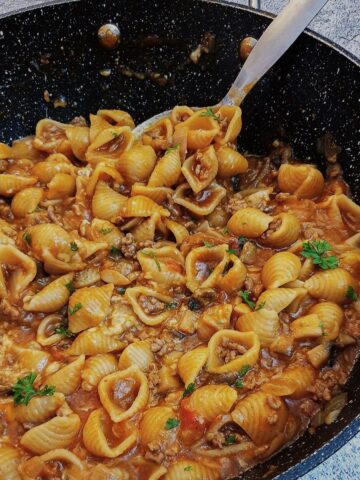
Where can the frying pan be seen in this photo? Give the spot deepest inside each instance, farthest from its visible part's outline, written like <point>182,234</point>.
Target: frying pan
<point>312,90</point>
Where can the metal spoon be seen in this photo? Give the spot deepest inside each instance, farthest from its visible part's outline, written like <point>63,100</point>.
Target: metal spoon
<point>273,43</point>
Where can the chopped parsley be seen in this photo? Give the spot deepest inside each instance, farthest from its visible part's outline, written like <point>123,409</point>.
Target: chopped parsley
<point>260,306</point>
<point>70,286</point>
<point>189,390</point>
<point>114,134</point>
<point>241,374</point>
<point>225,230</point>
<point>105,231</point>
<point>210,113</point>
<point>23,390</point>
<point>27,238</point>
<point>230,439</point>
<point>172,149</point>
<point>121,290</point>
<point>231,251</point>
<point>351,294</point>
<point>208,244</point>
<point>316,250</point>
<point>242,240</point>
<point>154,257</point>
<point>74,247</point>
<point>63,330</point>
<point>171,423</point>
<point>171,306</point>
<point>115,252</point>
<point>75,308</point>
<point>322,326</point>
<point>235,183</point>
<point>245,295</point>
<point>188,468</point>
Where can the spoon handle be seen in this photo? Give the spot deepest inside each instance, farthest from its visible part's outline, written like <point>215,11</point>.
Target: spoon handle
<point>277,38</point>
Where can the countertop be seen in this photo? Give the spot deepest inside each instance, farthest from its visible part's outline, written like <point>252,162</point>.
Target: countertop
<point>340,22</point>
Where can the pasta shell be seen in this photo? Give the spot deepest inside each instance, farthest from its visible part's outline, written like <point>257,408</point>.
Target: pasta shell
<point>178,231</point>
<point>72,465</point>
<point>97,124</point>
<point>52,297</point>
<point>157,194</point>
<point>32,360</point>
<point>94,437</point>
<point>212,400</point>
<point>204,202</point>
<point>39,409</point>
<point>67,379</point>
<point>330,285</point>
<point>159,135</point>
<point>106,203</point>
<point>180,113</point>
<point>109,275</point>
<point>304,181</point>
<point>54,164</point>
<point>265,323</point>
<point>233,275</point>
<point>5,151</point>
<point>331,316</point>
<point>12,184</point>
<point>26,201</point>
<point>109,145</point>
<point>230,122</point>
<point>124,393</point>
<point>200,169</point>
<point>22,272</point>
<point>88,307</point>
<point>102,172</point>
<point>202,130</point>
<point>50,137</point>
<point>116,117</point>
<point>248,343</point>
<point>134,296</point>
<point>319,355</point>
<point>213,319</point>
<point>278,299</point>
<point>59,432</point>
<point>283,231</point>
<point>152,424</point>
<point>146,230</point>
<point>167,171</point>
<point>230,162</point>
<point>45,333</point>
<point>94,341</point>
<point>104,231</point>
<point>342,211</point>
<point>96,368</point>
<point>249,222</point>
<point>195,471</point>
<point>256,415</point>
<point>281,268</point>
<point>9,463</point>
<point>79,139</point>
<point>308,326</point>
<point>191,363</point>
<point>164,265</point>
<point>136,164</point>
<point>140,206</point>
<point>204,266</point>
<point>293,382</point>
<point>137,353</point>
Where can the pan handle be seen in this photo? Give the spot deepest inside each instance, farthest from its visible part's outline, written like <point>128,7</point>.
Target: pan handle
<point>254,4</point>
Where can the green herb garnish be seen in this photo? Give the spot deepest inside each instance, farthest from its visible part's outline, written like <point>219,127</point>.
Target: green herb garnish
<point>70,286</point>
<point>189,390</point>
<point>242,240</point>
<point>63,330</point>
<point>208,244</point>
<point>188,468</point>
<point>121,290</point>
<point>351,294</point>
<point>241,374</point>
<point>260,306</point>
<point>171,306</point>
<point>171,149</point>
<point>245,295</point>
<point>115,252</point>
<point>322,326</point>
<point>114,134</point>
<point>171,423</point>
<point>209,113</point>
<point>230,439</point>
<point>231,251</point>
<point>105,231</point>
<point>23,390</point>
<point>316,250</point>
<point>27,238</point>
<point>154,257</point>
<point>225,230</point>
<point>74,247</point>
<point>75,308</point>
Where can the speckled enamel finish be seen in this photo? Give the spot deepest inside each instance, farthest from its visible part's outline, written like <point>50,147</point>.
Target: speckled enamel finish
<point>313,89</point>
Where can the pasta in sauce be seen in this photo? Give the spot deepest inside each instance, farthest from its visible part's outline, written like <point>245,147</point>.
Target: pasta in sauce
<point>171,309</point>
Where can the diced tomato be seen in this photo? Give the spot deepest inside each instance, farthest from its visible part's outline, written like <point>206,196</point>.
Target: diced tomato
<point>193,425</point>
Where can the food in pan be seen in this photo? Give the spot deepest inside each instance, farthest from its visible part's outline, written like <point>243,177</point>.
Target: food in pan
<point>171,307</point>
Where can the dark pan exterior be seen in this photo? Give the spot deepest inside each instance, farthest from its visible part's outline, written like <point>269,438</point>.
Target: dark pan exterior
<point>313,89</point>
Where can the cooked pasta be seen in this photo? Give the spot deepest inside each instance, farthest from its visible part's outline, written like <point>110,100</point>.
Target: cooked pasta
<point>170,306</point>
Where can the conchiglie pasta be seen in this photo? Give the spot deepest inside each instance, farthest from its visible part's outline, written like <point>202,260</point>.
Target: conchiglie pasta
<point>159,135</point>
<point>331,317</point>
<point>249,222</point>
<point>177,230</point>
<point>180,113</point>
<point>191,363</point>
<point>104,172</point>
<point>265,323</point>
<point>279,299</point>
<point>52,297</point>
<point>89,306</point>
<point>158,194</point>
<point>124,393</point>
<point>331,285</point>
<point>51,137</point>
<point>26,201</point>
<point>153,422</point>
<point>213,319</point>
<point>106,202</point>
<point>245,345</point>
<point>9,463</point>
<point>109,144</point>
<point>163,265</point>
<point>304,181</point>
<point>59,432</point>
<point>79,139</point>
<point>167,170</point>
<point>200,169</point>
<point>62,185</point>
<point>39,409</point>
<point>140,206</point>
<point>232,276</point>
<point>204,202</point>
<point>201,129</point>
<point>204,265</point>
<point>136,164</point>
<point>293,382</point>
<point>12,184</point>
<point>94,341</point>
<point>308,326</point>
<point>96,368</point>
<point>212,400</point>
<point>281,268</point>
<point>283,231</point>
<point>139,296</point>
<point>67,379</point>
<point>193,470</point>
<point>230,124</point>
<point>137,353</point>
<point>230,162</point>
<point>22,271</point>
<point>116,117</point>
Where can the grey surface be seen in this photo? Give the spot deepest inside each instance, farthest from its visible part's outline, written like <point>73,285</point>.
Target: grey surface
<point>340,22</point>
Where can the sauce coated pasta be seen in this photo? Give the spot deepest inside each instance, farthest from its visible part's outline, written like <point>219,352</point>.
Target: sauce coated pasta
<point>170,307</point>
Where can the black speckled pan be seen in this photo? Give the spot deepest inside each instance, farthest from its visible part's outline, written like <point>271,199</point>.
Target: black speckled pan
<point>312,90</point>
